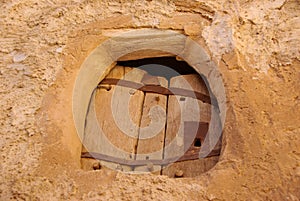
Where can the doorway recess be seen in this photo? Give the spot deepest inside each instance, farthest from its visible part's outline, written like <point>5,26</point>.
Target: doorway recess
<point>150,115</point>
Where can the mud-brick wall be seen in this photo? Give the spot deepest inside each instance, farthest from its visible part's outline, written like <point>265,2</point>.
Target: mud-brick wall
<point>255,45</point>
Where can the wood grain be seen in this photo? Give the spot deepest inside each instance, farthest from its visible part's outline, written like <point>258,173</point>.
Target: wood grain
<point>114,127</point>
<point>152,132</point>
<point>180,110</point>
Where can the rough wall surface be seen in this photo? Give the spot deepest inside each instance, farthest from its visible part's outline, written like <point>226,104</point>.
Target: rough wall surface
<point>256,45</point>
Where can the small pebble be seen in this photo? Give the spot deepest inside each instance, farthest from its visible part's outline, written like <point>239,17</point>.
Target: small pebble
<point>59,50</point>
<point>97,166</point>
<point>179,173</point>
<point>18,57</point>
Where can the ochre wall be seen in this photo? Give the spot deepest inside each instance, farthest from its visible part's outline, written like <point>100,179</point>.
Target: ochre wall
<point>254,43</point>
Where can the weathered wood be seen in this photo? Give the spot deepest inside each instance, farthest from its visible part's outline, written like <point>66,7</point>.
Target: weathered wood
<point>134,163</point>
<point>129,132</point>
<point>183,109</point>
<point>117,120</point>
<point>153,87</point>
<point>152,131</point>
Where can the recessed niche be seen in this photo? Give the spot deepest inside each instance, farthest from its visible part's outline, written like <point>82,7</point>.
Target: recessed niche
<point>150,115</point>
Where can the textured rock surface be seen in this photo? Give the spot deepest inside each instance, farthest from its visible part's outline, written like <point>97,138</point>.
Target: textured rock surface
<point>255,43</point>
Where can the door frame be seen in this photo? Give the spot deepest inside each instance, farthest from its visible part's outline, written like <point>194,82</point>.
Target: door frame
<point>103,58</point>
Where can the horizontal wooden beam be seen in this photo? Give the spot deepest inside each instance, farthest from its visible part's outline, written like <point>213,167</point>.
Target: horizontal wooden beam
<point>158,89</point>
<point>134,163</point>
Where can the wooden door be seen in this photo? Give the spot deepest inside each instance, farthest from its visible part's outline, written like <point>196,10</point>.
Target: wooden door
<point>141,123</point>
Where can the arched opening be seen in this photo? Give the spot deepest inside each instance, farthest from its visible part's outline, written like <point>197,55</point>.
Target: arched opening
<point>174,149</point>
<point>95,74</point>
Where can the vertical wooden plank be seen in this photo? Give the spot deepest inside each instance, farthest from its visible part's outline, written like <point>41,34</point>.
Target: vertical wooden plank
<point>136,102</point>
<point>181,110</point>
<point>152,132</point>
<point>108,134</point>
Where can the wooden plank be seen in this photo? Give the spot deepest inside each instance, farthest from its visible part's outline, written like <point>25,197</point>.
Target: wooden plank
<point>152,132</point>
<point>95,138</point>
<point>113,127</point>
<point>180,110</point>
<point>134,163</point>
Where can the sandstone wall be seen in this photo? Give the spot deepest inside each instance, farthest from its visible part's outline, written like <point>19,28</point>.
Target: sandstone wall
<point>255,44</point>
